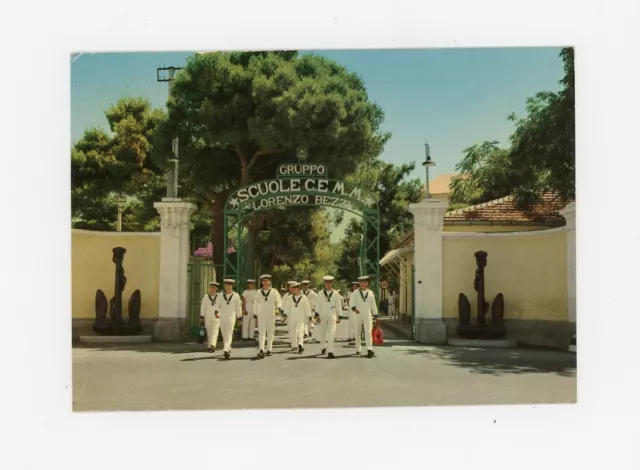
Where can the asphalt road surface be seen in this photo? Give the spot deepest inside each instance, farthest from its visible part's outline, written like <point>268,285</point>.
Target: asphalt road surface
<point>160,376</point>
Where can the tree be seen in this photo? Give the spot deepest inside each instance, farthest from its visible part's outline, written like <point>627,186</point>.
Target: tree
<point>393,193</point>
<point>486,173</point>
<point>298,245</point>
<point>105,168</point>
<point>541,155</point>
<point>239,114</point>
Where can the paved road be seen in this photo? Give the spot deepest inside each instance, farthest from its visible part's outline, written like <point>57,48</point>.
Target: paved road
<point>184,377</point>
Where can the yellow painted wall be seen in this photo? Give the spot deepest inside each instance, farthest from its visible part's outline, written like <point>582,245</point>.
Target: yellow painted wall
<point>92,268</point>
<point>492,228</point>
<point>529,269</point>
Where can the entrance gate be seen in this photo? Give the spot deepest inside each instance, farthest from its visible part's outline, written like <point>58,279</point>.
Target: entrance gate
<point>301,185</point>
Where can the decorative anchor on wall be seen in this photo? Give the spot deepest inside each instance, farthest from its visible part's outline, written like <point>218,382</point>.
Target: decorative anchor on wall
<point>481,329</point>
<point>114,324</point>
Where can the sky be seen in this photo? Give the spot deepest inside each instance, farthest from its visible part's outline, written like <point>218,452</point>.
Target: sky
<point>450,98</point>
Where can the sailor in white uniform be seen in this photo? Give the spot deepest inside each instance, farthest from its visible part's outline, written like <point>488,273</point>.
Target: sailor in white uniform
<point>248,320</point>
<point>210,314</point>
<point>266,302</point>
<point>328,309</point>
<point>363,304</point>
<point>298,316</point>
<point>311,297</point>
<point>352,316</point>
<point>230,311</point>
<point>286,300</point>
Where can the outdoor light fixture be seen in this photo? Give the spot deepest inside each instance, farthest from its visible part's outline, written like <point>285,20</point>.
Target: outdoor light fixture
<point>302,156</point>
<point>265,230</point>
<point>427,163</point>
<point>172,173</point>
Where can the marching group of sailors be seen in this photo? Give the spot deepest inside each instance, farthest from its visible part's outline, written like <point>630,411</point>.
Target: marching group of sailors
<point>308,314</point>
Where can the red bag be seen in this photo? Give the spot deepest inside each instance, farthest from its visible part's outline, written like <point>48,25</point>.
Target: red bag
<point>376,333</point>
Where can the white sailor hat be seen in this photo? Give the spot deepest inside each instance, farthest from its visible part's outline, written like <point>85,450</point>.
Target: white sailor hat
<point>292,283</point>
<point>283,288</point>
<point>354,283</point>
<point>214,283</point>
<point>250,281</point>
<point>265,276</point>
<point>229,281</point>
<point>363,278</point>
<point>328,278</point>
<point>305,282</point>
<point>296,284</point>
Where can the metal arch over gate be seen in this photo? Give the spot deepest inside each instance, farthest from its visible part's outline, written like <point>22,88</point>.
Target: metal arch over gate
<point>302,185</point>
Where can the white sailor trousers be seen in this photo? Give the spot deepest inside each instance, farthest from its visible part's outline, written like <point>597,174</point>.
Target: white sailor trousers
<point>212,324</point>
<point>226,328</point>
<point>266,329</point>
<point>351,332</point>
<point>363,320</point>
<point>327,331</point>
<point>248,326</point>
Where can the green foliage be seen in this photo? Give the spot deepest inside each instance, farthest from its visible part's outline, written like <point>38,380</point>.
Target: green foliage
<point>298,245</point>
<point>394,193</point>
<point>105,168</point>
<point>239,115</point>
<point>541,155</point>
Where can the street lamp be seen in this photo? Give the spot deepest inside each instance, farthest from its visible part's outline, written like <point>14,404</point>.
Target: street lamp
<point>427,163</point>
<point>302,156</point>
<point>172,174</point>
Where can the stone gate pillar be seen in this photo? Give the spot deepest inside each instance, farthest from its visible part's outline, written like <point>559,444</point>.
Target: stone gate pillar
<point>175,216</point>
<point>569,213</point>
<point>427,226</point>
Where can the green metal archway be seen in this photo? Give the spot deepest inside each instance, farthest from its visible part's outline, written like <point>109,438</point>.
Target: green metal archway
<point>301,191</point>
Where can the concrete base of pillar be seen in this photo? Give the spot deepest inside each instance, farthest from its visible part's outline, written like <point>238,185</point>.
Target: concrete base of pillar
<point>170,329</point>
<point>431,331</point>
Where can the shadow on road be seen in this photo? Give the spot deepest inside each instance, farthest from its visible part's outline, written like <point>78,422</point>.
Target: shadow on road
<point>502,361</point>
<point>173,348</point>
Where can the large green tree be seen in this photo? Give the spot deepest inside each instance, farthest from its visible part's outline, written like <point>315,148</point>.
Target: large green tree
<point>540,156</point>
<point>239,114</point>
<point>107,167</point>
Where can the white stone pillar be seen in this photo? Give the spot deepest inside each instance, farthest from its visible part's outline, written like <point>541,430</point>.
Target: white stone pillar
<point>569,213</point>
<point>427,226</point>
<point>175,216</point>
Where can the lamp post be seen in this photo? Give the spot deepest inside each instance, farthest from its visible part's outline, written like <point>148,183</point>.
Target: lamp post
<point>172,174</point>
<point>427,163</point>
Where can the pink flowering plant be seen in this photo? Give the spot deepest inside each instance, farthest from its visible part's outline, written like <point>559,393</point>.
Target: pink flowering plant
<point>206,253</point>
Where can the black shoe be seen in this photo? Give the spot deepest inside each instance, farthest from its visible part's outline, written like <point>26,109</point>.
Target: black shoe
<point>294,349</point>
<point>331,356</point>
<point>357,353</point>
<point>211,349</point>
<point>268,353</point>
<point>324,351</point>
<point>370,354</point>
<point>261,355</point>
<point>306,336</point>
<point>226,355</point>
<point>300,349</point>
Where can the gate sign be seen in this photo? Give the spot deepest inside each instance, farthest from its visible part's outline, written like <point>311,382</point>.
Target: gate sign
<point>306,169</point>
<point>306,190</point>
